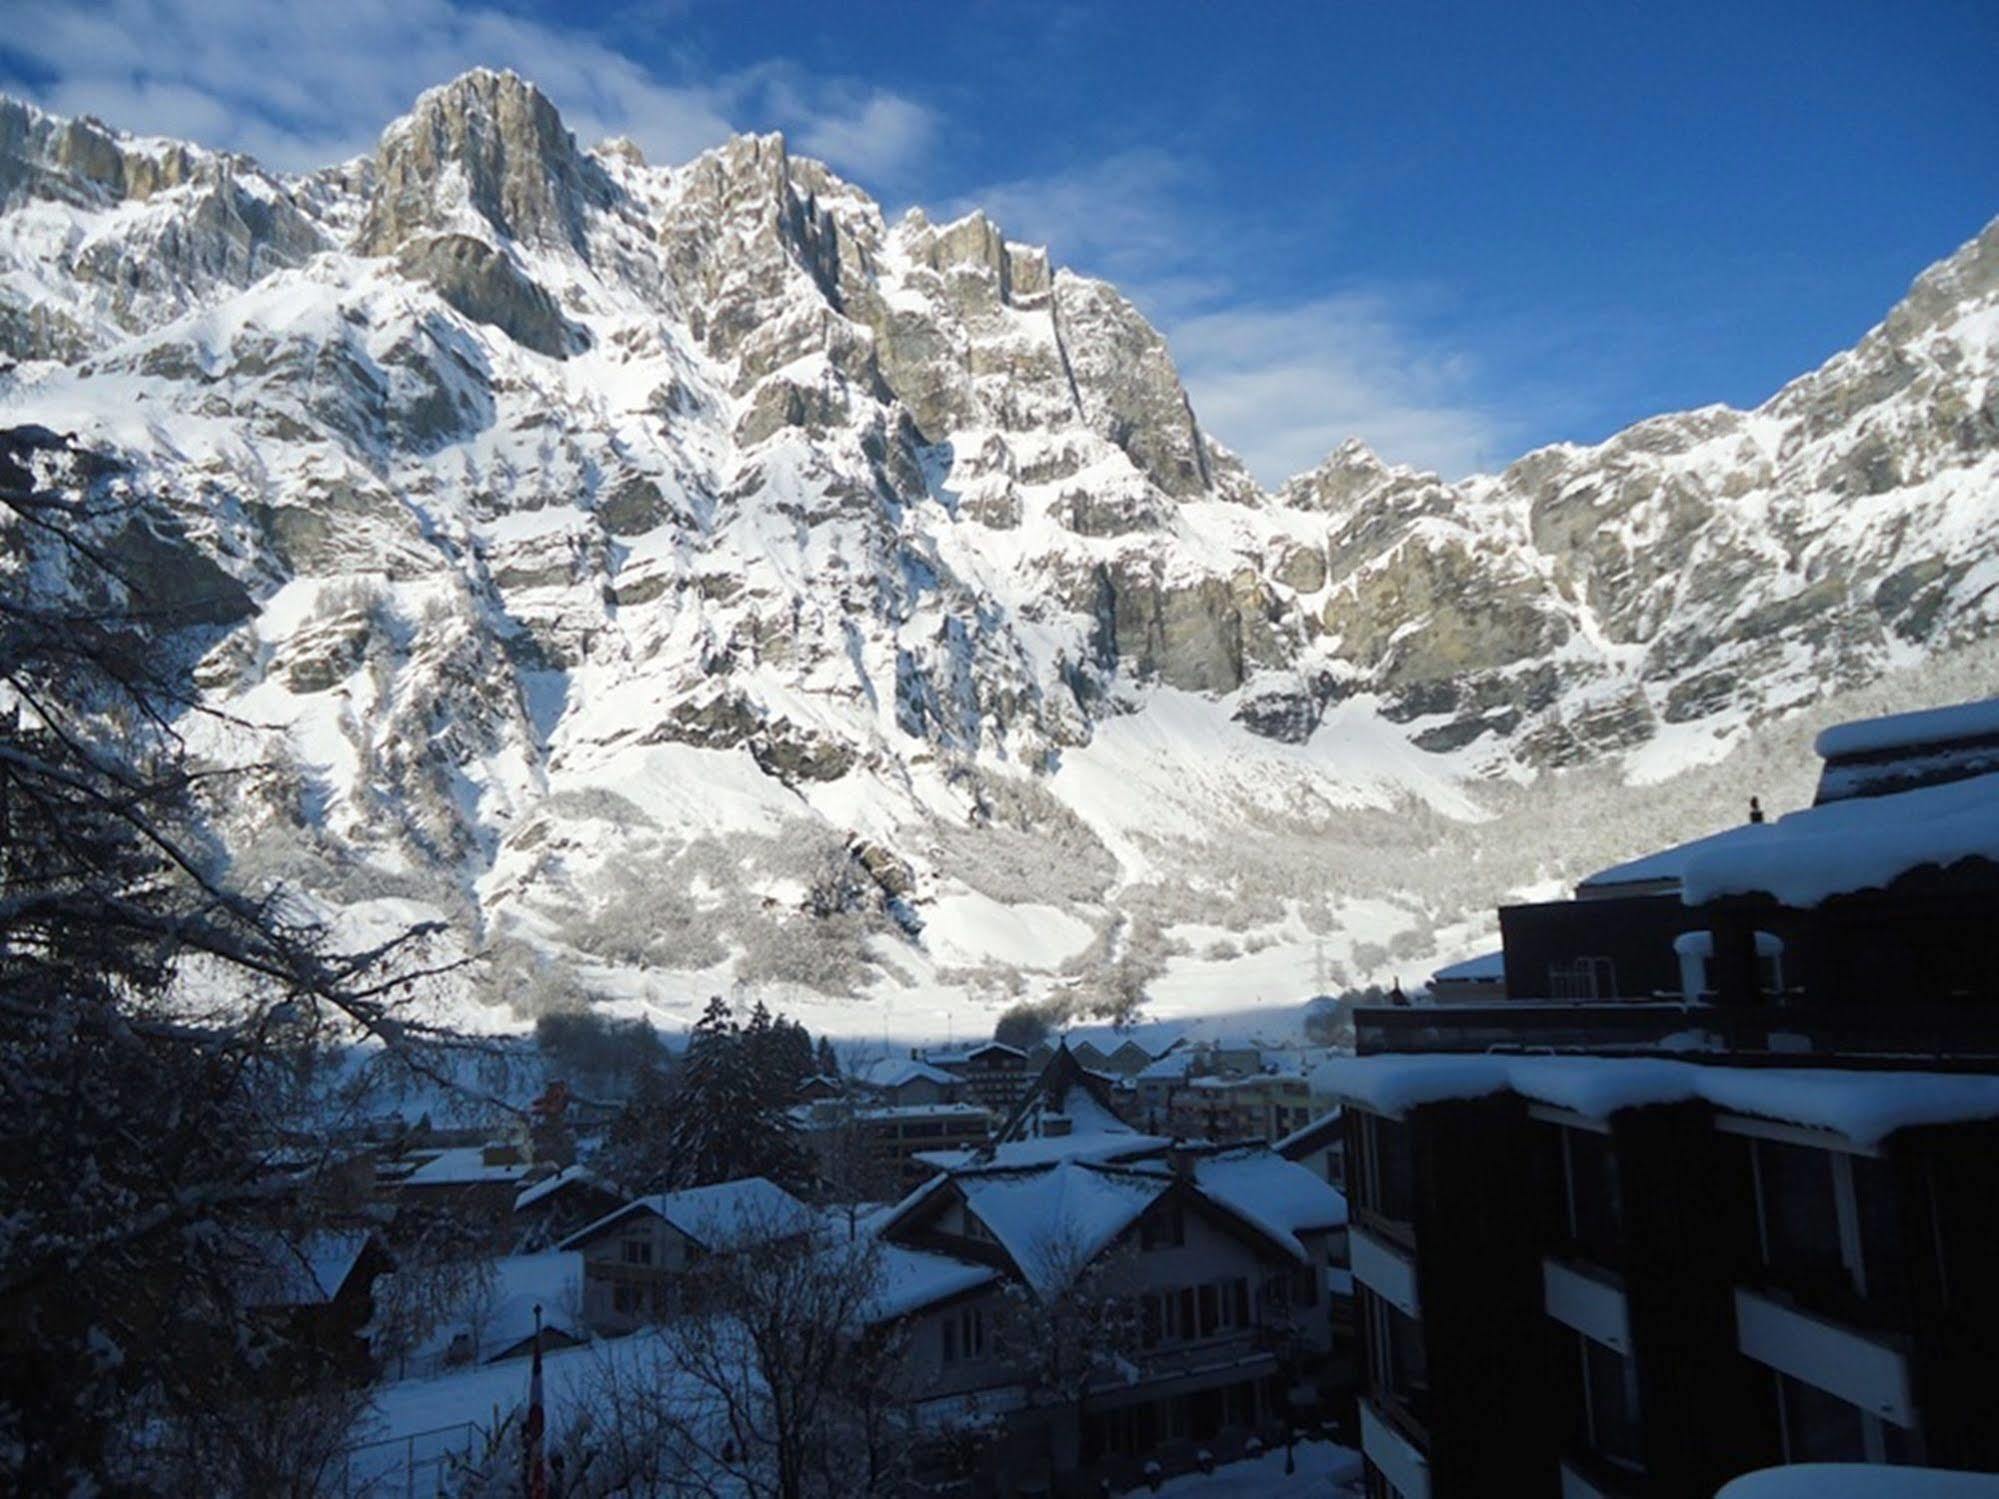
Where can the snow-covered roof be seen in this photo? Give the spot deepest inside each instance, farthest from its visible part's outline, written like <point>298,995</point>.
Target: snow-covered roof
<point>1053,1220</point>
<point>548,1186</point>
<point>1167,1067</point>
<point>1279,1197</point>
<point>1669,864</point>
<point>1862,843</point>
<point>1327,1121</point>
<point>464,1164</point>
<point>715,1216</point>
<point>1898,731</point>
<point>893,1072</point>
<point>1040,1151</point>
<point>501,1314</point>
<point>1863,1106</point>
<point>304,1271</point>
<point>916,1278</point>
<point>1859,1481</point>
<point>1485,968</point>
<point>1153,1037</point>
<point>966,1053</point>
<point>923,1111</point>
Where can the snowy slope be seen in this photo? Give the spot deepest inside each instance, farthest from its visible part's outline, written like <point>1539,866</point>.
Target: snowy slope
<point>682,577</point>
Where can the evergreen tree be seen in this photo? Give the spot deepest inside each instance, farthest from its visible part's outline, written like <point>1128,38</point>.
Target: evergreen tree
<point>827,1063</point>
<point>636,1147</point>
<point>723,1120</point>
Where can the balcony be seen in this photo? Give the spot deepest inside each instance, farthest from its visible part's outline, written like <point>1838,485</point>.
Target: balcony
<point>1401,1461</point>
<point>1385,1270</point>
<point>1826,1355</point>
<point>1918,1029</point>
<point>1588,1301</point>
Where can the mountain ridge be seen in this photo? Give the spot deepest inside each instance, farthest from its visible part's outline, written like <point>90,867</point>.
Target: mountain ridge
<point>594,478</point>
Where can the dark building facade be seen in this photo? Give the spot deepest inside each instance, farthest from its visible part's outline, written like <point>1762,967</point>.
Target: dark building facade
<point>1717,1187</point>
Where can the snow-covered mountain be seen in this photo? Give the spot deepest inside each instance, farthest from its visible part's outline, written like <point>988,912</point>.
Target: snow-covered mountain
<point>681,576</point>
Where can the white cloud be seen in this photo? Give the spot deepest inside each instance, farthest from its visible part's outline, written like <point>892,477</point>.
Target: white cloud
<point>1285,384</point>
<point>301,83</point>
<point>1281,382</point>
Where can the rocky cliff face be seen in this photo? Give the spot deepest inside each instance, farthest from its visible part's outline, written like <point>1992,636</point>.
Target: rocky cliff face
<point>621,547</point>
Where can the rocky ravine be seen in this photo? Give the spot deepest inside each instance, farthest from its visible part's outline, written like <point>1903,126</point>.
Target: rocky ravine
<point>681,575</point>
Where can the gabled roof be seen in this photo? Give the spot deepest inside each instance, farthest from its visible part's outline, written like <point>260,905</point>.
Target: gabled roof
<point>966,1053</point>
<point>1277,1196</point>
<point>1314,1136</point>
<point>1052,1220</point>
<point>306,1271</point>
<point>1153,1037</point>
<point>1663,869</point>
<point>893,1072</point>
<point>567,1177</point>
<point>1484,968</point>
<point>715,1217</point>
<point>1065,1086</point>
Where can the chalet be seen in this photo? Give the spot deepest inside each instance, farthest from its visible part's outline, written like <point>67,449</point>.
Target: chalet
<point>489,1317</point>
<point>318,1289</point>
<point>550,1207</point>
<point>1221,1252</point>
<point>475,1185</point>
<point>1714,1186</point>
<point>634,1257</point>
<point>991,1075</point>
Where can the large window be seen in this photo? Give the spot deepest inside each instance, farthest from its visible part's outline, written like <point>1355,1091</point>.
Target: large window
<point>964,1334</point>
<point>1829,1224</point>
<point>1819,1427</point>
<point>638,1251</point>
<point>1591,1194</point>
<point>1609,1403</point>
<point>1387,1174</point>
<point>1397,1365</point>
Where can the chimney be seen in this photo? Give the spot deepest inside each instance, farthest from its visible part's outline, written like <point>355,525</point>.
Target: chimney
<point>1755,809</point>
<point>1180,1159</point>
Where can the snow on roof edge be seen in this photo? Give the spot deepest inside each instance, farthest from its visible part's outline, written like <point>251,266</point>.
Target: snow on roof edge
<point>1947,725</point>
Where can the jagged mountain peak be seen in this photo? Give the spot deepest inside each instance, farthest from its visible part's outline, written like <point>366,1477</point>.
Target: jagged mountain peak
<point>602,519</point>
<point>488,148</point>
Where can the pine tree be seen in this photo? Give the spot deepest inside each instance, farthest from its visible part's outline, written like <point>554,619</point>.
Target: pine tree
<point>724,1120</point>
<point>828,1063</point>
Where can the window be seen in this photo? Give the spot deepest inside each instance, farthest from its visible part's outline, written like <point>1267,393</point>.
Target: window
<point>1819,1427</point>
<point>976,1229</point>
<point>638,1251</point>
<point>1610,1403</point>
<point>1583,978</point>
<point>1397,1365</point>
<point>1592,1194</point>
<point>964,1334</point>
<point>1387,1168</point>
<point>1165,1227</point>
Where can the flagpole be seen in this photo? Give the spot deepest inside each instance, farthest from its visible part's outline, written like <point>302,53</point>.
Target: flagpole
<point>535,1478</point>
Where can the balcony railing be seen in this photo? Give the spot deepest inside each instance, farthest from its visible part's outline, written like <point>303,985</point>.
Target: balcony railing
<point>1942,1035</point>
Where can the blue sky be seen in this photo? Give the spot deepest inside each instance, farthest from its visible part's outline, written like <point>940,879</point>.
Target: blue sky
<point>1454,230</point>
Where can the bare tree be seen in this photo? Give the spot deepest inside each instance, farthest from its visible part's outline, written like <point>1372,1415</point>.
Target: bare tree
<point>161,1029</point>
<point>1067,1329</point>
<point>782,1383</point>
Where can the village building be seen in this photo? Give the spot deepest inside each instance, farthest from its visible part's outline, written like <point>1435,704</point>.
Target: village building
<point>552,1206</point>
<point>1259,1106</point>
<point>1219,1253</point>
<point>991,1074</point>
<point>635,1257</point>
<point>897,1139</point>
<point>1716,1186</point>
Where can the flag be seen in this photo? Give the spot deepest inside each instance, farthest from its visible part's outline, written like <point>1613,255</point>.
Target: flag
<point>537,1470</point>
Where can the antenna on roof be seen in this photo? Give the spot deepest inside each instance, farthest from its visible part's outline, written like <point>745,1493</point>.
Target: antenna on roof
<point>1755,809</point>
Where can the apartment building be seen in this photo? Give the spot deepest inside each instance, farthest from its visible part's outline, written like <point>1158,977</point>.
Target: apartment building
<point>1717,1186</point>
